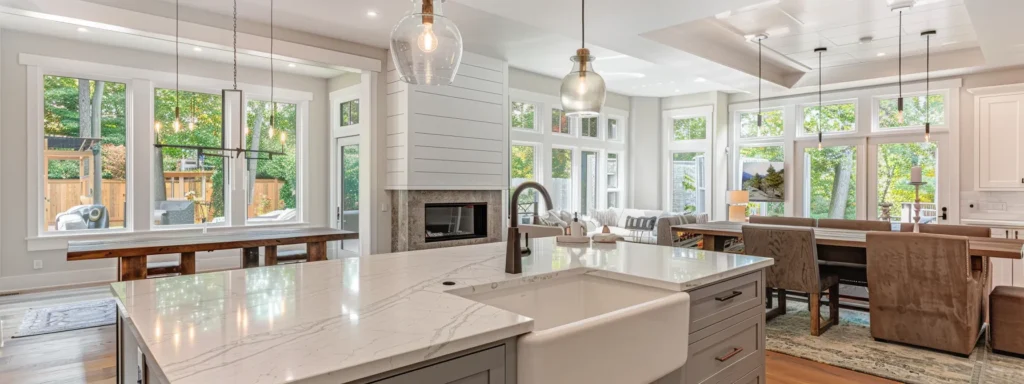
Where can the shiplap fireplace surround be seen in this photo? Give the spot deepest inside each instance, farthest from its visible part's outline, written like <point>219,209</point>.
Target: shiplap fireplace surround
<point>447,145</point>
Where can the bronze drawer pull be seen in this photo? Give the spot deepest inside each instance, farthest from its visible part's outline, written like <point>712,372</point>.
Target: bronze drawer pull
<point>735,351</point>
<point>730,296</point>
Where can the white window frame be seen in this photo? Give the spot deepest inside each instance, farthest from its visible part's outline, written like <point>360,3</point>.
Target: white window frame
<point>140,92</point>
<point>860,179</point>
<point>620,163</point>
<point>620,130</point>
<point>574,174</point>
<point>737,129</point>
<point>568,123</point>
<point>738,163</point>
<point>301,124</point>
<point>536,111</point>
<point>800,117</point>
<point>578,121</point>
<point>538,168</point>
<point>673,146</point>
<point>876,107</point>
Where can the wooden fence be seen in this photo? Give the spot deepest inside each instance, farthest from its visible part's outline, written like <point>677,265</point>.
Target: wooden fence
<point>61,195</point>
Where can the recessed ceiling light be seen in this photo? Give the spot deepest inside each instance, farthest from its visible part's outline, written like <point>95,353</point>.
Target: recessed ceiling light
<point>371,13</point>
<point>197,49</point>
<point>700,80</point>
<point>677,90</point>
<point>880,54</point>
<point>291,65</point>
<point>82,29</point>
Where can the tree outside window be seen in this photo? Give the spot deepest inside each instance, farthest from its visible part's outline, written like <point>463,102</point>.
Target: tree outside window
<point>915,112</point>
<point>688,182</point>
<point>588,127</point>
<point>691,128</point>
<point>84,130</point>
<point>894,163</point>
<point>523,116</point>
<point>187,189</point>
<point>561,178</point>
<point>832,118</point>
<point>772,124</point>
<point>349,113</point>
<point>272,188</point>
<point>832,177</point>
<point>559,122</point>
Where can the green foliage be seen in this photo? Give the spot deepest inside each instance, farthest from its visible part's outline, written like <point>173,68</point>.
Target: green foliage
<point>772,124</point>
<point>523,115</point>
<point>689,182</point>
<point>561,163</point>
<point>523,162</point>
<point>63,170</point>
<point>559,122</point>
<point>894,163</point>
<point>281,139</point>
<point>690,128</point>
<point>914,111</point>
<point>349,112</point>
<point>61,112</point>
<point>832,118</point>
<point>350,157</point>
<point>588,127</point>
<point>200,115</point>
<point>828,166</point>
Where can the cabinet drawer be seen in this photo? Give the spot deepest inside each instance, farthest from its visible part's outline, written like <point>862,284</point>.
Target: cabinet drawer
<point>726,355</point>
<point>710,305</point>
<point>484,367</point>
<point>753,377</point>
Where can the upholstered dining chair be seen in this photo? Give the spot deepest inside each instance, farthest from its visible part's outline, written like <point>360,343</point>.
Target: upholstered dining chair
<point>857,225</point>
<point>796,269</point>
<point>923,291</point>
<point>782,220</point>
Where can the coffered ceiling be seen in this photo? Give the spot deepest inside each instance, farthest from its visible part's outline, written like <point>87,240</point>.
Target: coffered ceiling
<point>671,47</point>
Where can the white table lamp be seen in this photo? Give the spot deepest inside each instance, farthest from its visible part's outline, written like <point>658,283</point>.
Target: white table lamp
<point>737,202</point>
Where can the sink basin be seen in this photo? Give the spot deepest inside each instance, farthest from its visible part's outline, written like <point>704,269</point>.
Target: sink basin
<point>590,329</point>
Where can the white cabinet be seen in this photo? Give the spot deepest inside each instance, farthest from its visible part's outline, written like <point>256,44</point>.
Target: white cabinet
<point>999,142</point>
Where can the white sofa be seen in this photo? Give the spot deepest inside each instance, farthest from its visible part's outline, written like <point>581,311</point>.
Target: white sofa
<point>618,227</point>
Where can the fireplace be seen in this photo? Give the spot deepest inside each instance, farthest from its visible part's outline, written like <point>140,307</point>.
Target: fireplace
<point>454,221</point>
<point>428,219</point>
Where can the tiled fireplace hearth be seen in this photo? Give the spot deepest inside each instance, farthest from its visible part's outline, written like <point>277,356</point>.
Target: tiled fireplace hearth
<point>438,219</point>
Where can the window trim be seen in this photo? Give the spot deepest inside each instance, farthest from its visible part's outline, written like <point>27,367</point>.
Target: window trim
<point>620,129</point>
<point>568,124</point>
<point>538,168</point>
<point>573,173</point>
<point>736,116</point>
<point>579,127</point>
<point>536,123</point>
<point>800,117</point>
<point>876,106</point>
<point>620,161</point>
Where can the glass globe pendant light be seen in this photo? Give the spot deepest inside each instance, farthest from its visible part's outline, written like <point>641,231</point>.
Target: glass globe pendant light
<point>583,90</point>
<point>426,46</point>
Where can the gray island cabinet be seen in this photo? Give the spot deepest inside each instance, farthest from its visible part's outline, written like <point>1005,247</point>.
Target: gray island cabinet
<point>396,318</point>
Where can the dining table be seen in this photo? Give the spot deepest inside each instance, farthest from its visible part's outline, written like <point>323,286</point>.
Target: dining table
<point>844,251</point>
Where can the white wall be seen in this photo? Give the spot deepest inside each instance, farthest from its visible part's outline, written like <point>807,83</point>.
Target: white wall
<point>16,259</point>
<point>644,157</point>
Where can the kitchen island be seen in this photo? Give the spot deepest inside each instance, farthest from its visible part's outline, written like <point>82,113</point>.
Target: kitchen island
<point>384,316</point>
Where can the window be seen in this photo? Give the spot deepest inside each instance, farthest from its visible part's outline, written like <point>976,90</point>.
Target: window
<point>612,173</point>
<point>688,182</point>
<point>561,178</point>
<point>588,182</point>
<point>271,187</point>
<point>559,122</point>
<point>766,192</point>
<point>350,113</point>
<point>834,118</point>
<point>690,128</point>
<point>84,154</point>
<point>523,116</point>
<point>588,127</point>
<point>193,186</point>
<point>914,111</point>
<point>895,161</point>
<point>523,168</point>
<point>772,124</point>
<point>613,129</point>
<point>831,182</point>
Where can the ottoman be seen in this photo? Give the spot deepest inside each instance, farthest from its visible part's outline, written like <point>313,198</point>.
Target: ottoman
<point>1006,308</point>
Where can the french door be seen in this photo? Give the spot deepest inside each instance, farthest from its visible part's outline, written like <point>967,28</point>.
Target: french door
<point>891,194</point>
<point>869,178</point>
<point>346,211</point>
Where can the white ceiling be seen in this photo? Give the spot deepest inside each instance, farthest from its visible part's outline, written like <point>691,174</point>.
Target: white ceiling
<point>669,47</point>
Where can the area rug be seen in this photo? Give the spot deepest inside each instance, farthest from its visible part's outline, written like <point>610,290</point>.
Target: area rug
<point>67,317</point>
<point>850,345</point>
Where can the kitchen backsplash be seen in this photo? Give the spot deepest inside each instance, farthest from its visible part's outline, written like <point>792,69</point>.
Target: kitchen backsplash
<point>992,205</point>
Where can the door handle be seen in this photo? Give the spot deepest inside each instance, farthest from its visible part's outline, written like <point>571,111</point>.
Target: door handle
<point>943,216</point>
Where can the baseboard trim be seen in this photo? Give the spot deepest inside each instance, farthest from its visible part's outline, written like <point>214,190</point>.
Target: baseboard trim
<point>69,279</point>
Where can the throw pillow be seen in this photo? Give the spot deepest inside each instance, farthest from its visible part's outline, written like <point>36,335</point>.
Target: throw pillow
<point>552,219</point>
<point>566,216</point>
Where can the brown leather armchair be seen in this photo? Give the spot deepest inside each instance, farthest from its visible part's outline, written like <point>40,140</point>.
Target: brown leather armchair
<point>923,291</point>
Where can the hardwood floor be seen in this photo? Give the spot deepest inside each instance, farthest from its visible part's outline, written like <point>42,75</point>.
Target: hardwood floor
<point>87,355</point>
<point>786,369</point>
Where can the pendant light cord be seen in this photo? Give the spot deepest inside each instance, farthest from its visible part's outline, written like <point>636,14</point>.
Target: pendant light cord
<point>900,56</point>
<point>927,72</point>
<point>820,117</point>
<point>234,42</point>
<point>583,23</point>
<point>273,106</point>
<point>177,60</point>
<point>759,81</point>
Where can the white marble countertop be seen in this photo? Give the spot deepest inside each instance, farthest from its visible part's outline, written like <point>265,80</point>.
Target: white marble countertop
<point>993,222</point>
<point>356,317</point>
